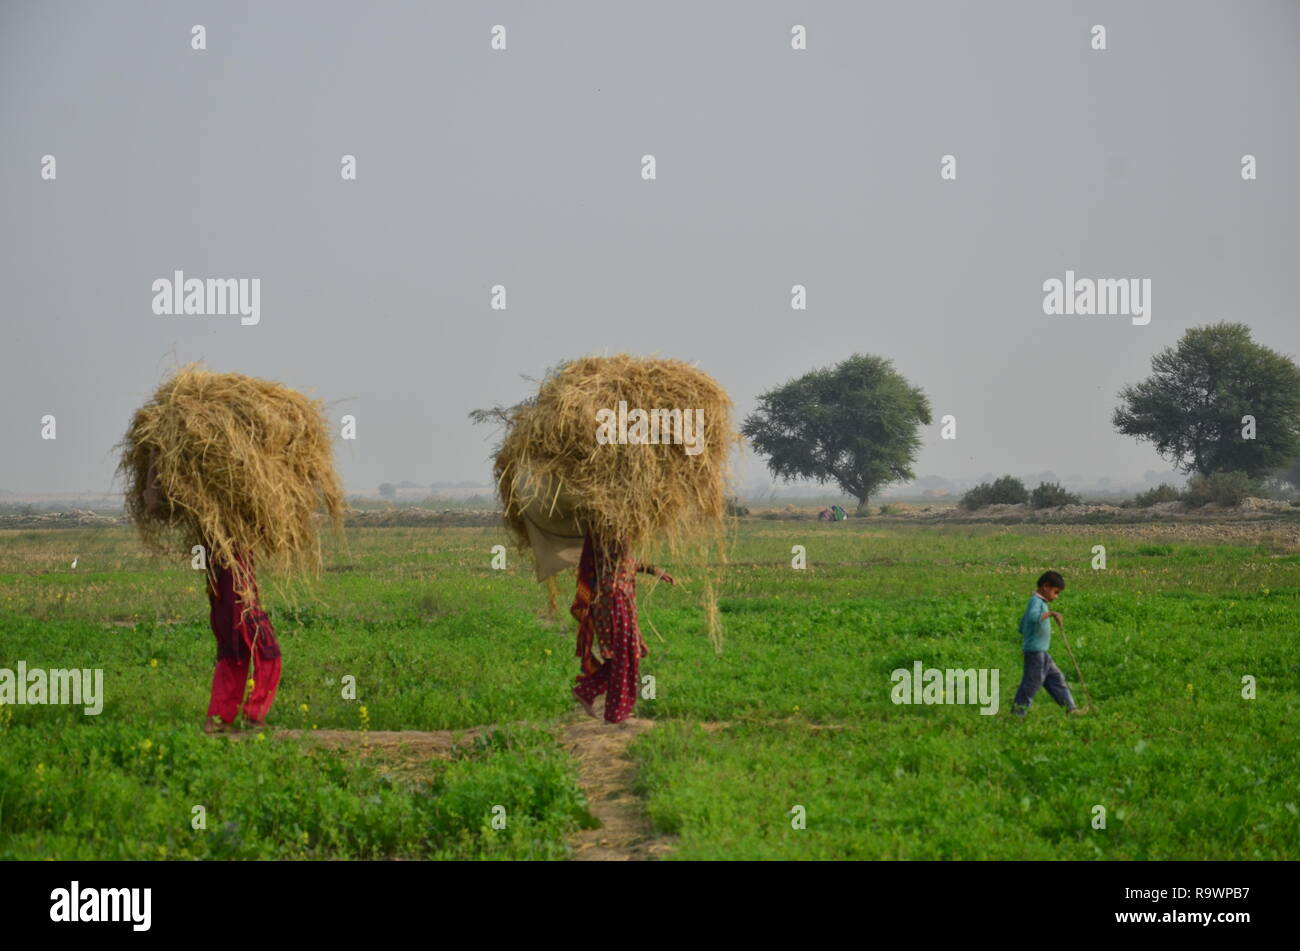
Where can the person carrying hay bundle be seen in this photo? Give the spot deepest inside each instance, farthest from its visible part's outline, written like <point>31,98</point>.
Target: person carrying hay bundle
<point>239,466</point>
<point>605,609</point>
<point>614,455</point>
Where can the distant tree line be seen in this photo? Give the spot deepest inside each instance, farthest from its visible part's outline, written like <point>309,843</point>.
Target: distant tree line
<point>1221,407</point>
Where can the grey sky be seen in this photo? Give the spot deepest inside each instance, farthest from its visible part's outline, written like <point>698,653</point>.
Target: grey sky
<point>522,168</point>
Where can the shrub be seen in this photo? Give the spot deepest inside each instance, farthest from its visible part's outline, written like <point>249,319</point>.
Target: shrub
<point>1164,492</point>
<point>735,508</point>
<point>1005,491</point>
<point>1221,488</point>
<point>1050,495</point>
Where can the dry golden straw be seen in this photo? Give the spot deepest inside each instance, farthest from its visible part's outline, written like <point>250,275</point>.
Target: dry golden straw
<point>244,465</point>
<point>641,495</point>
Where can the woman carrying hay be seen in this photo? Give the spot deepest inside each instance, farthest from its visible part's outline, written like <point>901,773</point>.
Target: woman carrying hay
<point>237,466</point>
<point>605,609</point>
<point>577,497</point>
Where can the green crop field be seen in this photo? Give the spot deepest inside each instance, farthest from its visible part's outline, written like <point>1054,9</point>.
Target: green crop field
<point>793,725</point>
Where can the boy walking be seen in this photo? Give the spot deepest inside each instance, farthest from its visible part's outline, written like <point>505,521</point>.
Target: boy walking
<point>1036,637</point>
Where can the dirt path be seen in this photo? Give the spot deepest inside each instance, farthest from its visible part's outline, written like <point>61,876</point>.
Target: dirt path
<point>401,743</point>
<point>605,772</point>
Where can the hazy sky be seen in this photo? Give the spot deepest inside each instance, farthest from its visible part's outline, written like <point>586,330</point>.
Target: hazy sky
<point>523,168</point>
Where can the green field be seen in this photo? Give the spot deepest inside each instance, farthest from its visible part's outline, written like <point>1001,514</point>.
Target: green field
<point>797,707</point>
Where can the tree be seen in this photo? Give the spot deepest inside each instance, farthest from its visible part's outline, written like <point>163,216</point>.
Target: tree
<point>854,424</point>
<point>387,490</point>
<point>1192,406</point>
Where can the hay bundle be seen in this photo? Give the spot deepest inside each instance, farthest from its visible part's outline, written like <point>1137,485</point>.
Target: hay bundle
<point>552,470</point>
<point>243,464</point>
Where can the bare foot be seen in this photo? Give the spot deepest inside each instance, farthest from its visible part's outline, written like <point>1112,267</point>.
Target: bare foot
<point>251,724</point>
<point>586,705</point>
<point>216,725</point>
<point>1078,711</point>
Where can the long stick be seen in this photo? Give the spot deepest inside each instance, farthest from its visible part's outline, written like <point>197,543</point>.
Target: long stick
<point>1077,670</point>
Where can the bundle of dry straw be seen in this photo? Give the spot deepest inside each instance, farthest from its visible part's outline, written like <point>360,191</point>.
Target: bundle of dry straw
<point>639,494</point>
<point>243,465</point>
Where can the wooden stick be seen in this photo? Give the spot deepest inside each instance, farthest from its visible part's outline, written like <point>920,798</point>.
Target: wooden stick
<point>1083,683</point>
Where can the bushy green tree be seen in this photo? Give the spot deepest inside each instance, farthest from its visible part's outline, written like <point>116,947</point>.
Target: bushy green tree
<point>855,424</point>
<point>1191,407</point>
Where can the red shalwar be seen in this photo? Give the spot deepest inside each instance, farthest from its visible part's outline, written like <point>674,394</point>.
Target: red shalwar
<point>605,607</point>
<point>241,629</point>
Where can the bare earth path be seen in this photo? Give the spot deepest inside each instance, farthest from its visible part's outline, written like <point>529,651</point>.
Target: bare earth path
<point>605,772</point>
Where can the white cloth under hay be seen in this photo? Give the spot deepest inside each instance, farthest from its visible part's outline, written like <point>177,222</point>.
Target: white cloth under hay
<point>554,532</point>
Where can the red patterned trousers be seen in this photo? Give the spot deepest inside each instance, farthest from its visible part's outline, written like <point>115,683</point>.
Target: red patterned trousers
<point>618,676</point>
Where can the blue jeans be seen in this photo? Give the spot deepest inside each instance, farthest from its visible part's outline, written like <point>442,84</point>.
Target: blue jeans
<point>1041,671</point>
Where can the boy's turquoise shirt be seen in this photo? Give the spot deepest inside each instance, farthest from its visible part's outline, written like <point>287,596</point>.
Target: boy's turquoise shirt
<point>1035,626</point>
